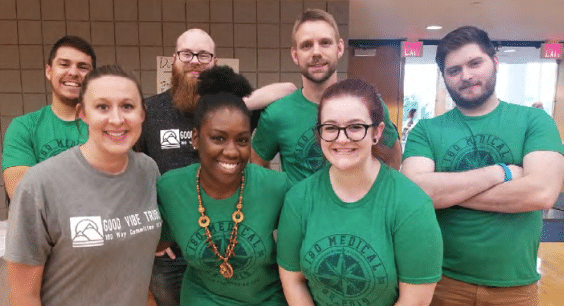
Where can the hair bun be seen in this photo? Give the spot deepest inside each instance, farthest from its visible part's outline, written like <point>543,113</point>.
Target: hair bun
<point>223,79</point>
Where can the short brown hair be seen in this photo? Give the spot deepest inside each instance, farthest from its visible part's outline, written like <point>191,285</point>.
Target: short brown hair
<point>315,15</point>
<point>461,37</point>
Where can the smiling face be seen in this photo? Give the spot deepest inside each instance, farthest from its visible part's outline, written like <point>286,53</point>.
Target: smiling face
<point>316,50</point>
<point>113,110</point>
<point>342,153</point>
<point>195,41</point>
<point>66,74</point>
<point>470,76</point>
<point>224,145</point>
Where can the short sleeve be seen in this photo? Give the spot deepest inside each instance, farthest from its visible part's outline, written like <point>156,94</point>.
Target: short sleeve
<point>542,134</point>
<point>18,147</point>
<point>28,240</point>
<point>289,236</point>
<point>390,134</point>
<point>264,141</point>
<point>418,144</point>
<point>418,243</point>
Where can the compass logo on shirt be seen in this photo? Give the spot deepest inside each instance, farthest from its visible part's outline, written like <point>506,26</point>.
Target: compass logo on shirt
<point>308,151</point>
<point>476,152</point>
<point>249,250</point>
<point>346,269</point>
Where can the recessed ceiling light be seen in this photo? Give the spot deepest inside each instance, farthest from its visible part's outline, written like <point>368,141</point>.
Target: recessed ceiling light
<point>509,50</point>
<point>434,27</point>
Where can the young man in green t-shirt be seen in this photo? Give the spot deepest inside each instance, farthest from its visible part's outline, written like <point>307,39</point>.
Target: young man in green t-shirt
<point>490,168</point>
<point>36,136</point>
<point>287,125</point>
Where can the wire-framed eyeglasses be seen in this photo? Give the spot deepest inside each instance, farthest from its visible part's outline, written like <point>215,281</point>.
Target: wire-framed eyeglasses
<point>354,131</point>
<point>186,56</point>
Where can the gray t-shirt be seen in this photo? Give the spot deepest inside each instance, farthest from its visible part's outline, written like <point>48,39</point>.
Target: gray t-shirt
<point>95,233</point>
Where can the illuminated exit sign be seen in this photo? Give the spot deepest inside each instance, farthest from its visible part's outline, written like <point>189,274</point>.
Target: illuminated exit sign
<point>551,50</point>
<point>411,48</point>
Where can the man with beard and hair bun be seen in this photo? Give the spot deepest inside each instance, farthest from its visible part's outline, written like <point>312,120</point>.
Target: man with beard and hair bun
<point>42,134</point>
<point>167,136</point>
<point>490,168</point>
<point>287,126</point>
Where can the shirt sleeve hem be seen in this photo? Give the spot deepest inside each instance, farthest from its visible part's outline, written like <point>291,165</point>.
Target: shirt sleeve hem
<point>420,280</point>
<point>287,267</point>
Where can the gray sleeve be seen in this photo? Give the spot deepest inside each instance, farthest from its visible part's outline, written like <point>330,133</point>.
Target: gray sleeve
<point>27,239</point>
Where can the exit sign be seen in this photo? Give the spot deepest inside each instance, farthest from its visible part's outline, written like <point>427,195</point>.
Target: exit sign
<point>551,50</point>
<point>411,48</point>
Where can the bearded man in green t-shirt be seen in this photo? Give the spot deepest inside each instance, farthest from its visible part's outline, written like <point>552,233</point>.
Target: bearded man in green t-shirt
<point>287,125</point>
<point>490,168</point>
<point>38,135</point>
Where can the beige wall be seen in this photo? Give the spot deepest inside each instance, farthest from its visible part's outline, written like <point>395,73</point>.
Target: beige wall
<point>133,32</point>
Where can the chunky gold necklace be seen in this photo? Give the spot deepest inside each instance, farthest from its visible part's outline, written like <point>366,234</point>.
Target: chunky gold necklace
<point>225,267</point>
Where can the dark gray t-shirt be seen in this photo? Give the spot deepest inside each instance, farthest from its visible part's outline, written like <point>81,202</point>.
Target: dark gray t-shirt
<point>95,233</point>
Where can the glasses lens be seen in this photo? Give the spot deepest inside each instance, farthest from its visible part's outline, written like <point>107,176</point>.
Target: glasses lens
<point>356,132</point>
<point>205,58</point>
<point>185,56</point>
<point>328,132</point>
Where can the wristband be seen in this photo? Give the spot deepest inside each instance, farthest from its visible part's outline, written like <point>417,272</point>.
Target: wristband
<point>506,171</point>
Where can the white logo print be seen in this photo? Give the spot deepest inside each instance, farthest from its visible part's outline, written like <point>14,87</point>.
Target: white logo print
<point>86,232</point>
<point>170,139</point>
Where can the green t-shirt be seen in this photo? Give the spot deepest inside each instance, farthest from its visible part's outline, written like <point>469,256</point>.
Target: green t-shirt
<point>486,248</point>
<point>288,126</point>
<point>355,253</point>
<point>255,279</point>
<point>34,137</point>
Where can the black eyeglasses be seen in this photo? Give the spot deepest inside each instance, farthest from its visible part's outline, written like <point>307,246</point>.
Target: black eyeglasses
<point>354,132</point>
<point>186,56</point>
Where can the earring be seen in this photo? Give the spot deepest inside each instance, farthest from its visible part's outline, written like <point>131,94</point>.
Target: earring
<point>375,141</point>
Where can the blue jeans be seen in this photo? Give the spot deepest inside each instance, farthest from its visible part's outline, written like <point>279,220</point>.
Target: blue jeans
<point>166,279</point>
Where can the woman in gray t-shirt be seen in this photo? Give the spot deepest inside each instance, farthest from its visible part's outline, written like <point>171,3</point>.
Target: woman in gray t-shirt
<point>84,224</point>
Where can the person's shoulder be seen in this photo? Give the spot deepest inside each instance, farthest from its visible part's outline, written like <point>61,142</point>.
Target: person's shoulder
<point>144,160</point>
<point>56,165</point>
<point>265,175</point>
<point>400,185</point>
<point>179,174</point>
<point>158,99</point>
<point>282,104</point>
<point>32,119</point>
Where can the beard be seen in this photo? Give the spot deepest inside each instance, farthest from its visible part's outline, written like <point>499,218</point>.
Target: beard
<point>321,79</point>
<point>183,90</point>
<point>488,86</point>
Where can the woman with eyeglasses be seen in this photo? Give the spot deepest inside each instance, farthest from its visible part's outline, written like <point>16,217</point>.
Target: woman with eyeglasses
<point>222,212</point>
<point>357,232</point>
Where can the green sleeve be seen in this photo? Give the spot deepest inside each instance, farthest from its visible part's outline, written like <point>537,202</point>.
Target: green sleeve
<point>166,234</point>
<point>290,235</point>
<point>390,134</point>
<point>542,134</point>
<point>264,141</point>
<point>18,147</point>
<point>418,143</point>
<point>418,243</point>
<point>165,210</point>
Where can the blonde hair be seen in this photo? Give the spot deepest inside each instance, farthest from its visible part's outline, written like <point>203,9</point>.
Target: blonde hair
<point>315,15</point>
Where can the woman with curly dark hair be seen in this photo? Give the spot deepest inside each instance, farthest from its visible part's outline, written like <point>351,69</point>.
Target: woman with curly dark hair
<point>222,212</point>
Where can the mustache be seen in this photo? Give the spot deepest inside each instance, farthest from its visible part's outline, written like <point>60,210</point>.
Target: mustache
<point>469,84</point>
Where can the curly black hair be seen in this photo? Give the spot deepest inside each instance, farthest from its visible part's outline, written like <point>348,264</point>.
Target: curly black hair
<point>220,87</point>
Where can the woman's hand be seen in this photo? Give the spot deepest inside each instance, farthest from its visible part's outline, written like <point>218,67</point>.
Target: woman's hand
<point>295,288</point>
